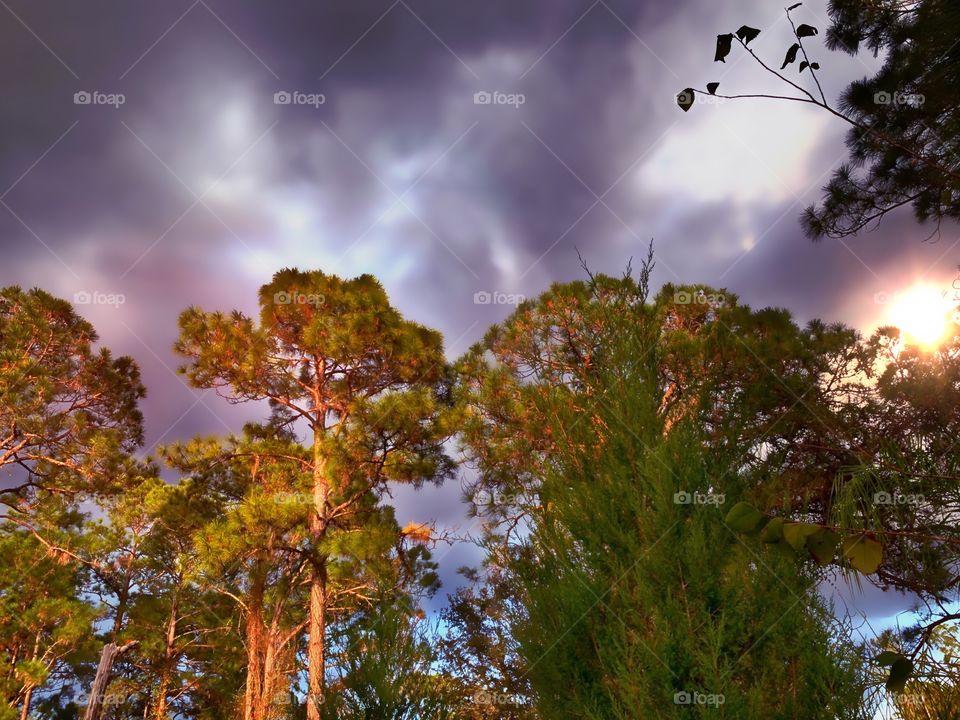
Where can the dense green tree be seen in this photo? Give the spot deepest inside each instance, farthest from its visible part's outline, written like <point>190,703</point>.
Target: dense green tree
<point>635,602</point>
<point>783,400</point>
<point>254,551</point>
<point>188,656</point>
<point>334,356</point>
<point>640,605</point>
<point>385,669</point>
<point>45,622</point>
<point>68,412</point>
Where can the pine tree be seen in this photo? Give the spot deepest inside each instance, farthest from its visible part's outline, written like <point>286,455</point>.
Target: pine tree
<point>333,355</point>
<point>44,620</point>
<point>68,413</point>
<point>253,550</point>
<point>582,413</point>
<point>641,602</point>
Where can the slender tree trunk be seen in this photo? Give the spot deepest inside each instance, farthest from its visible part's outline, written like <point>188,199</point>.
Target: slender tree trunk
<point>316,644</point>
<point>255,633</point>
<point>28,691</point>
<point>316,655</point>
<point>265,707</point>
<point>160,708</point>
<point>104,671</point>
<point>27,698</point>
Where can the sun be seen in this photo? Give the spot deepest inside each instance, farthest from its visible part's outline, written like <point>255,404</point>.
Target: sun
<point>923,315</point>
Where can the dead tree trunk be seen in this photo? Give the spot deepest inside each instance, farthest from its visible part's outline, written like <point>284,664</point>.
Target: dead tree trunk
<point>102,679</point>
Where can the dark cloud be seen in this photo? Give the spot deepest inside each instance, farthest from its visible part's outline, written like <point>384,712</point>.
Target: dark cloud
<point>198,186</point>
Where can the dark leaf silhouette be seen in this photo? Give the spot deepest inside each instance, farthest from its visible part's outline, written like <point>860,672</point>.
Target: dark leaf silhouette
<point>899,674</point>
<point>804,65</point>
<point>791,55</point>
<point>747,33</point>
<point>794,6</point>
<point>806,31</point>
<point>685,99</point>
<point>724,44</point>
<point>887,658</point>
<point>712,87</point>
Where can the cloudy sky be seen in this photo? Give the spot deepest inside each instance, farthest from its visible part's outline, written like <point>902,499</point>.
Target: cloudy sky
<point>156,155</point>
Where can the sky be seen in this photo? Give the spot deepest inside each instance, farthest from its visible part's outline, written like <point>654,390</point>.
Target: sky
<point>159,155</point>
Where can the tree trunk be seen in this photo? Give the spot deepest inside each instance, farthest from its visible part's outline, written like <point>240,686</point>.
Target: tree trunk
<point>316,643</point>
<point>27,698</point>
<point>255,632</point>
<point>267,688</point>
<point>110,652</point>
<point>160,709</point>
<point>316,655</point>
<point>104,671</point>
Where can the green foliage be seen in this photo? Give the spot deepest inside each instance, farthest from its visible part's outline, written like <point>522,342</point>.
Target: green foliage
<point>371,390</point>
<point>68,412</point>
<point>386,670</point>
<point>640,606</point>
<point>585,404</point>
<point>45,622</point>
<point>479,651</point>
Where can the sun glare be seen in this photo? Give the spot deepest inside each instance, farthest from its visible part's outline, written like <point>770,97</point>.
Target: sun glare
<point>923,315</point>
